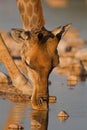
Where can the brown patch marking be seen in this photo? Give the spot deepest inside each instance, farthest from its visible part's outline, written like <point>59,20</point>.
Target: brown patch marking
<point>29,10</point>
<point>26,1</point>
<point>21,8</point>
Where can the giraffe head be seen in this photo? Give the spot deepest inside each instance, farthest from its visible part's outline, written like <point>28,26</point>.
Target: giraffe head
<point>40,55</point>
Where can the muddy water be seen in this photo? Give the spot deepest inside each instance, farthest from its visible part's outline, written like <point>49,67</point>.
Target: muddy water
<point>72,99</point>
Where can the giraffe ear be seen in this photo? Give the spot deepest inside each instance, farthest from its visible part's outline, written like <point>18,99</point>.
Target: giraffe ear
<point>19,35</point>
<point>60,31</point>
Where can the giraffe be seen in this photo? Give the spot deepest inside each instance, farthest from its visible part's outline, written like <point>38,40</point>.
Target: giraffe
<point>39,53</point>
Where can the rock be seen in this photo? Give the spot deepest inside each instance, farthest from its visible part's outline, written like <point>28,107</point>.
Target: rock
<point>61,47</point>
<point>63,116</point>
<point>35,124</point>
<point>65,62</point>
<point>69,66</point>
<point>72,80</point>
<point>85,65</point>
<point>69,62</point>
<point>69,44</point>
<point>15,127</point>
<point>82,54</point>
<point>72,34</point>
<point>73,37</point>
<point>66,50</point>
<point>52,99</point>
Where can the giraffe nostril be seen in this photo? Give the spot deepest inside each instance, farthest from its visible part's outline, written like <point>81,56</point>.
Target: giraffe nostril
<point>27,33</point>
<point>40,36</point>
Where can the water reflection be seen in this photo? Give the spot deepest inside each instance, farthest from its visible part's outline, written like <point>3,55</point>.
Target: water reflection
<point>63,116</point>
<point>38,119</point>
<point>15,117</point>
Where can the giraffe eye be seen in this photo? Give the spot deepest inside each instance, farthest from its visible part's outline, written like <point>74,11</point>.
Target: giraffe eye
<point>40,36</point>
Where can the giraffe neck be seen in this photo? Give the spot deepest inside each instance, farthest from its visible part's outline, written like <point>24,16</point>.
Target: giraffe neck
<point>31,14</point>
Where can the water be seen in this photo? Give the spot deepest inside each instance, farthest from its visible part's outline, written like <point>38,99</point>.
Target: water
<point>71,99</point>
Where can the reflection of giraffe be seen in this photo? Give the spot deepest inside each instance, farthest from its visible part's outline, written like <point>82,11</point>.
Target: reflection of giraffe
<point>39,53</point>
<point>16,116</point>
<point>38,119</point>
<point>31,13</point>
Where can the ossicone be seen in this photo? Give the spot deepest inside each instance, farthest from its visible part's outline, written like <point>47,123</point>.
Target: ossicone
<point>60,31</point>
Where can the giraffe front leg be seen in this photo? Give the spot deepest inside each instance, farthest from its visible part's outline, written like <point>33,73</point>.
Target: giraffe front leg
<point>17,78</point>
